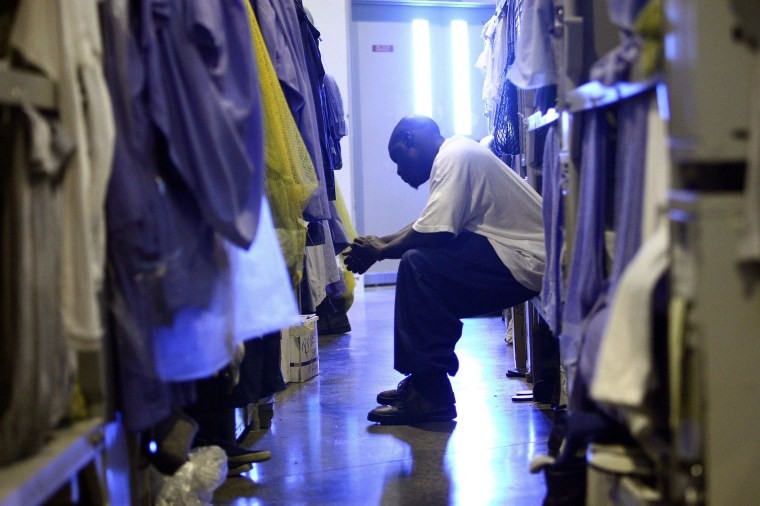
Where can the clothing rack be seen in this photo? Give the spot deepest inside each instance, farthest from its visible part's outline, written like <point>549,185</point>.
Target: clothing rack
<point>538,120</point>
<point>76,453</point>
<point>70,451</point>
<point>594,94</point>
<point>713,361</point>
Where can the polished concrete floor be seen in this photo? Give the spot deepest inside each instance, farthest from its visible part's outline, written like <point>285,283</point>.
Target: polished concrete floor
<point>324,451</point>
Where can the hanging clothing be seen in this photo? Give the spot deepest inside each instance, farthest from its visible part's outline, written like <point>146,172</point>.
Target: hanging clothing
<point>493,62</point>
<point>341,241</point>
<point>341,229</point>
<point>553,213</point>
<point>625,364</point>
<point>143,399</point>
<point>342,234</point>
<point>206,103</point>
<point>321,272</point>
<point>197,341</point>
<point>164,202</point>
<point>221,166</point>
<point>337,117</point>
<point>336,122</point>
<point>630,165</point>
<point>507,123</point>
<point>749,244</point>
<point>507,128</point>
<point>251,297</point>
<point>616,65</point>
<point>259,377</point>
<point>292,40</point>
<point>316,72</point>
<point>281,32</point>
<point>534,65</point>
<point>64,41</point>
<point>36,367</point>
<point>623,13</point>
<point>262,298</point>
<point>160,251</point>
<point>323,276</point>
<point>587,275</point>
<point>290,175</point>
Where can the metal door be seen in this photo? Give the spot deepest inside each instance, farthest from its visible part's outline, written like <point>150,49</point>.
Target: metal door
<point>408,58</point>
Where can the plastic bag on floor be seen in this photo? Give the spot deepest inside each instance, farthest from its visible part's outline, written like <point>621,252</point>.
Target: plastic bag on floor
<point>194,483</point>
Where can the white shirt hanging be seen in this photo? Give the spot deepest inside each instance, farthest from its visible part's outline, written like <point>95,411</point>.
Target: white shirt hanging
<point>534,56</point>
<point>493,62</point>
<point>625,365</point>
<point>252,297</point>
<point>63,39</point>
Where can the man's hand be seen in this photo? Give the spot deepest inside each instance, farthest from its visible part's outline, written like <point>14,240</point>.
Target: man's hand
<point>369,247</point>
<point>362,253</point>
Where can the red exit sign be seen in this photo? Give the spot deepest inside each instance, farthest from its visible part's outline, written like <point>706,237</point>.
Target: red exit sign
<point>382,48</point>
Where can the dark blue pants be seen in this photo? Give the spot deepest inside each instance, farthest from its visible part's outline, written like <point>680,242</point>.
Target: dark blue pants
<point>434,289</point>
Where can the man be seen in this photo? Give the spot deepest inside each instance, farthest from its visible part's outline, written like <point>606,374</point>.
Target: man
<point>477,248</point>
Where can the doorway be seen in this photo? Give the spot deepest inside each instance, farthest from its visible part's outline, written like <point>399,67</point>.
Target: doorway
<point>408,57</point>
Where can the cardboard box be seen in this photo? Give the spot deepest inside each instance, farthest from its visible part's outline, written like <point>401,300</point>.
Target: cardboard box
<point>300,350</point>
<point>285,354</point>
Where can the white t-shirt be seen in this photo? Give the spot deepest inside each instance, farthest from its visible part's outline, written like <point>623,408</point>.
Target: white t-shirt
<point>471,189</point>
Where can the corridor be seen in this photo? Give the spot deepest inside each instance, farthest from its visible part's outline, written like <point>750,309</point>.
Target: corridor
<point>324,451</point>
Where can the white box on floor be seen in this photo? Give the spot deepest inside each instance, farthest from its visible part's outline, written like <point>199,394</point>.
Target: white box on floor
<point>300,350</point>
<point>285,355</point>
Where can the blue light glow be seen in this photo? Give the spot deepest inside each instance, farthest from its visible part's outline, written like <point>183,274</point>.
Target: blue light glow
<point>152,447</point>
<point>663,105</point>
<point>423,99</point>
<point>460,54</point>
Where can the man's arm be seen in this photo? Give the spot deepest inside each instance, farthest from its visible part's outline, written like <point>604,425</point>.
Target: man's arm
<point>407,239</point>
<point>367,250</point>
<point>388,238</point>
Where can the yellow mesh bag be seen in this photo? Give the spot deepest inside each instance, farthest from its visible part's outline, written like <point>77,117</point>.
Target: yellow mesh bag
<point>290,175</point>
<point>348,276</point>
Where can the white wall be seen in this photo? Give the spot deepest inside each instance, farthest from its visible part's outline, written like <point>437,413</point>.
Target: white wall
<point>332,18</point>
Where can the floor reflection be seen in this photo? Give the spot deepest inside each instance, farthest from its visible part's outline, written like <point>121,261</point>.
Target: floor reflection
<point>324,451</point>
<point>422,478</point>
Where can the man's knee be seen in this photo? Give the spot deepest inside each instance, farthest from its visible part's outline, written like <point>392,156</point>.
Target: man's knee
<point>408,258</point>
<point>415,260</point>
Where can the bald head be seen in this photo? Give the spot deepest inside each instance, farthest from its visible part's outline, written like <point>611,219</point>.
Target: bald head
<point>421,125</point>
<point>413,146</point>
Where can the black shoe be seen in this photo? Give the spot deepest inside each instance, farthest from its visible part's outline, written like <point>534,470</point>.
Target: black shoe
<point>392,397</point>
<point>333,324</point>
<point>332,317</point>
<point>412,408</point>
<point>236,455</point>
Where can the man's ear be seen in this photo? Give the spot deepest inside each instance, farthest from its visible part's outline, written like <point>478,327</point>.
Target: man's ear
<point>407,139</point>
